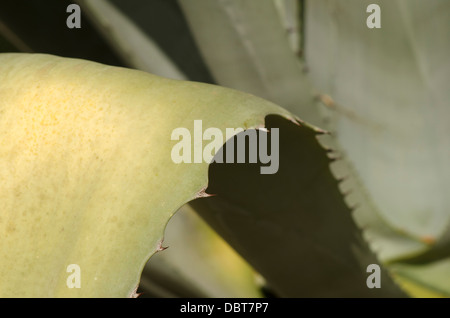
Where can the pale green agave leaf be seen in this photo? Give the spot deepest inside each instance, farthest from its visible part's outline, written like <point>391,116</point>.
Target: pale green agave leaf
<point>254,42</point>
<point>388,107</point>
<point>85,163</point>
<point>290,12</point>
<point>256,48</point>
<point>245,45</point>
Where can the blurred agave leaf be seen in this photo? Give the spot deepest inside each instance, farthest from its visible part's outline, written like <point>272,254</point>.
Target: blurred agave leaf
<point>164,23</point>
<point>246,47</point>
<point>388,107</point>
<point>135,46</point>
<point>9,42</point>
<point>40,26</point>
<point>197,264</point>
<point>421,280</point>
<point>290,13</point>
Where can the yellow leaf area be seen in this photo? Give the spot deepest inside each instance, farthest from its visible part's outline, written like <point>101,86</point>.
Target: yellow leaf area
<point>86,175</point>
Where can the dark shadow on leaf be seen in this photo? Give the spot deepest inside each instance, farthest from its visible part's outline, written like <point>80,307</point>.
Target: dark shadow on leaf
<point>293,226</point>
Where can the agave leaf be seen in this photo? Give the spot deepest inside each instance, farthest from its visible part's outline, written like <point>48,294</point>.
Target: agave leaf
<point>254,55</point>
<point>10,42</point>
<point>246,47</point>
<point>389,105</point>
<point>163,22</point>
<point>52,36</point>
<point>424,280</point>
<point>85,159</point>
<point>135,46</point>
<point>290,12</point>
<point>293,226</point>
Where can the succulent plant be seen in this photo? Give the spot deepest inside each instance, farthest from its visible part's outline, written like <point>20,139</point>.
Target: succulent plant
<point>91,117</point>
